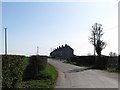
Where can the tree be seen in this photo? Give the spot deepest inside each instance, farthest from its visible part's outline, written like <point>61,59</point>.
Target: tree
<point>95,39</point>
<point>112,54</point>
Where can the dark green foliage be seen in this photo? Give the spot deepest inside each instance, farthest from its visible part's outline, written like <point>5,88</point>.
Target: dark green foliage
<point>20,72</point>
<point>101,62</point>
<point>12,70</point>
<point>45,79</point>
<point>83,60</point>
<point>41,62</point>
<point>98,62</point>
<point>113,64</point>
<point>36,64</point>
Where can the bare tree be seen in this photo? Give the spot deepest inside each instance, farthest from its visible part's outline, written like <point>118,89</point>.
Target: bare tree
<point>95,39</point>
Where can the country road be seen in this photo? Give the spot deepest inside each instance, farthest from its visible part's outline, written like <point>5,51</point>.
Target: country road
<point>71,76</point>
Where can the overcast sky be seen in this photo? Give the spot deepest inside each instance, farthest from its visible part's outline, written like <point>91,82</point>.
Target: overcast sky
<point>52,24</point>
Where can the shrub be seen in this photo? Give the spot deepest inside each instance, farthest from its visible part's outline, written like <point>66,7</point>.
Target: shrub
<point>101,62</point>
<point>12,70</point>
<point>36,64</point>
<point>83,60</point>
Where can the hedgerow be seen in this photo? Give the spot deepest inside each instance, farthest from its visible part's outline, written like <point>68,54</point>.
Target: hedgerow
<point>36,64</point>
<point>12,70</point>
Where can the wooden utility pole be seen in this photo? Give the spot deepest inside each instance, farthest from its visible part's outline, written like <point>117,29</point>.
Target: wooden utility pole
<point>37,50</point>
<point>5,41</point>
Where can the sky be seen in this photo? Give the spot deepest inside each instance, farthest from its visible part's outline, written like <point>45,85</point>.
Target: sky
<point>52,24</point>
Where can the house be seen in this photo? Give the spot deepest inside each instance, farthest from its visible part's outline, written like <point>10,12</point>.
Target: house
<point>64,52</point>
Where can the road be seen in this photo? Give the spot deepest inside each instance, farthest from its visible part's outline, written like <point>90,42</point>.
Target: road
<point>71,76</point>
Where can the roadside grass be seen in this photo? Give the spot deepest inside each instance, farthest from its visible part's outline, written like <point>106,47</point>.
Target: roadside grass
<point>113,70</point>
<point>45,79</point>
<point>81,65</point>
<point>86,66</point>
<point>73,63</point>
<point>66,61</point>
<point>26,62</point>
<point>109,69</point>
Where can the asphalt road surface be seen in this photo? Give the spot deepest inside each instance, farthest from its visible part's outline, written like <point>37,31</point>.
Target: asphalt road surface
<point>71,76</point>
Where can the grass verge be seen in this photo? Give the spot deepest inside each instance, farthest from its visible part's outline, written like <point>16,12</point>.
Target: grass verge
<point>46,79</point>
<point>109,69</point>
<point>74,63</point>
<point>113,70</point>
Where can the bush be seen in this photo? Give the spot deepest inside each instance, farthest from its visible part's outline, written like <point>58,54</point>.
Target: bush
<point>101,62</point>
<point>113,64</point>
<point>12,70</point>
<point>36,64</point>
<point>83,60</point>
<point>45,80</point>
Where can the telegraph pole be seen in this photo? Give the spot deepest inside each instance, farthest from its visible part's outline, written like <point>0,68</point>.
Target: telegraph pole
<point>5,41</point>
<point>37,50</point>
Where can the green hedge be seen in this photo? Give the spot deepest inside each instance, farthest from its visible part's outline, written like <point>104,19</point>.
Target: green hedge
<point>83,60</point>
<point>12,70</point>
<point>37,63</point>
<point>99,62</point>
<point>40,62</point>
